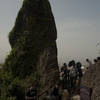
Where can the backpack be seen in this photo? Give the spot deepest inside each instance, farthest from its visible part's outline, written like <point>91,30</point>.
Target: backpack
<point>73,72</point>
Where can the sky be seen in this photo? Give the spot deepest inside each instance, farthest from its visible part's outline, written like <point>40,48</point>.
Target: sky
<point>77,22</point>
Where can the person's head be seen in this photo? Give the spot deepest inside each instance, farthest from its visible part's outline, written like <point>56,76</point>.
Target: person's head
<point>98,58</point>
<point>71,63</point>
<point>65,64</point>
<point>95,61</point>
<point>87,60</point>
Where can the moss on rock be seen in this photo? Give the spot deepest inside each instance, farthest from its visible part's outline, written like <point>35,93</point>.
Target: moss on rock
<point>33,34</point>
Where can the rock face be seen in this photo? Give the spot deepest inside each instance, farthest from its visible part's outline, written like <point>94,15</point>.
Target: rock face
<point>33,42</point>
<point>91,79</point>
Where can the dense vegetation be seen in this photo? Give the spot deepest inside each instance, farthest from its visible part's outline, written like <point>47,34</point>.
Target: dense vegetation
<point>34,30</point>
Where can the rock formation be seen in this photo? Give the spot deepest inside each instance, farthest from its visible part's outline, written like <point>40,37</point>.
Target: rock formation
<point>33,42</point>
<point>91,79</point>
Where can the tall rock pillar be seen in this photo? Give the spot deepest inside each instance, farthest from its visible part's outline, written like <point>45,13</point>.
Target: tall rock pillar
<point>33,42</point>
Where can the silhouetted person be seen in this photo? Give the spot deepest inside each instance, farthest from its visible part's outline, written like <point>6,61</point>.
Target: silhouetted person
<point>64,76</point>
<point>79,69</point>
<point>55,93</point>
<point>79,73</point>
<point>88,62</point>
<point>66,79</point>
<point>73,73</point>
<point>64,67</point>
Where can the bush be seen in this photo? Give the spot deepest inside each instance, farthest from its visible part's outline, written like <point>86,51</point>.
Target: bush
<point>13,88</point>
<point>10,87</point>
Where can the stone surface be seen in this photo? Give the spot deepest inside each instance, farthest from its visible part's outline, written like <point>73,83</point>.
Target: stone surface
<point>91,79</point>
<point>76,97</point>
<point>33,42</point>
<point>65,95</point>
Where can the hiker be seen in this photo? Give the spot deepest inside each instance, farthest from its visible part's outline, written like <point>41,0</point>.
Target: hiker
<point>66,79</point>
<point>95,61</point>
<point>64,67</point>
<point>72,73</point>
<point>31,93</point>
<point>79,69</point>
<point>63,75</point>
<point>89,63</point>
<point>55,93</point>
<point>79,74</point>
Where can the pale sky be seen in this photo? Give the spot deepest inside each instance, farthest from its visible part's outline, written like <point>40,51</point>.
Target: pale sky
<point>78,27</point>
